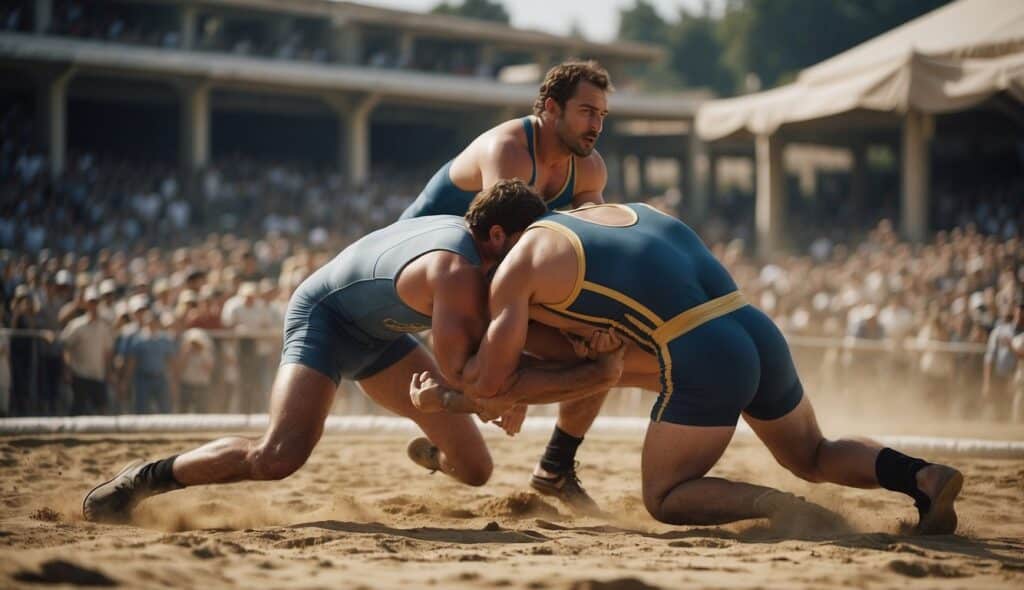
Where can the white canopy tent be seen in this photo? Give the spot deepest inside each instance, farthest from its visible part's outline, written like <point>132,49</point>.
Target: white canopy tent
<point>948,60</point>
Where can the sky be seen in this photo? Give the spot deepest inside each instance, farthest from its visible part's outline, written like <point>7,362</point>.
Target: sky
<point>598,19</point>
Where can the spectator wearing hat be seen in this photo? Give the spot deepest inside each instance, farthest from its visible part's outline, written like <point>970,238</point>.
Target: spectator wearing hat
<point>127,314</point>
<point>997,388</point>
<point>76,307</point>
<point>88,351</point>
<point>58,292</point>
<point>196,362</point>
<point>25,362</point>
<point>108,296</point>
<point>149,360</point>
<point>245,313</point>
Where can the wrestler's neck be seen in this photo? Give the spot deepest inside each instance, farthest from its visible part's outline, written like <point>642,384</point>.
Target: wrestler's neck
<point>551,150</point>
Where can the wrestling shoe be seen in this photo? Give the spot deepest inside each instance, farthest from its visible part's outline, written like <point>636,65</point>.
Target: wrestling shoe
<point>424,453</point>
<point>566,487</point>
<point>939,516</point>
<point>112,501</point>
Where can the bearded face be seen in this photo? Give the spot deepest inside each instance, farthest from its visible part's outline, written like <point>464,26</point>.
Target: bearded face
<point>579,123</point>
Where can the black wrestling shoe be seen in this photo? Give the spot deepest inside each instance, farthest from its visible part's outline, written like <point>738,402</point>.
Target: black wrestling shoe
<point>566,487</point>
<point>112,501</point>
<point>424,453</point>
<point>939,516</point>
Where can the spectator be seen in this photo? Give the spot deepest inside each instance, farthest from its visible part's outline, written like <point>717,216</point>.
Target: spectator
<point>88,351</point>
<point>247,315</point>
<point>1001,361</point>
<point>24,352</point>
<point>197,364</point>
<point>936,365</point>
<point>150,360</point>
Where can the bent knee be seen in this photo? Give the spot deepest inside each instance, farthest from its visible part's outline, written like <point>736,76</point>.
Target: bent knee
<point>655,505</point>
<point>269,463</point>
<point>477,473</point>
<point>806,471</point>
<point>806,465</point>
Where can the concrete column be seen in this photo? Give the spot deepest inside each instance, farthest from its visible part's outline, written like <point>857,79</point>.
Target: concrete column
<point>189,22</point>
<point>485,61</point>
<point>770,210</point>
<point>642,178</point>
<point>53,101</point>
<point>917,132</point>
<point>42,16</point>
<point>406,49</point>
<point>356,129</point>
<point>697,174</point>
<point>858,176</point>
<point>616,188</point>
<point>194,145</point>
<point>630,176</point>
<point>712,180</point>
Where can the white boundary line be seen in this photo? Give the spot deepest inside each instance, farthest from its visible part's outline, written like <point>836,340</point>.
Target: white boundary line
<point>394,425</point>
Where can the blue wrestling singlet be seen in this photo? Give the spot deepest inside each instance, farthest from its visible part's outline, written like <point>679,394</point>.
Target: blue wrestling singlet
<point>347,320</point>
<point>656,282</point>
<point>442,197</point>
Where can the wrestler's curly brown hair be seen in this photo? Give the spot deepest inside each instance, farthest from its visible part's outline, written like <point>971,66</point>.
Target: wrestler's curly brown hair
<point>509,204</point>
<point>561,81</point>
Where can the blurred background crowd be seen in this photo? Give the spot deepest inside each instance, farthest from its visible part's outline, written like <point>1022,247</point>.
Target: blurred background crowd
<point>127,293</point>
<point>143,272</point>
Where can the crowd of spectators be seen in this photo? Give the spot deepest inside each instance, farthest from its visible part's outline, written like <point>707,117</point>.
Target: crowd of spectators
<point>190,329</point>
<point>121,23</point>
<point>937,319</point>
<point>238,34</point>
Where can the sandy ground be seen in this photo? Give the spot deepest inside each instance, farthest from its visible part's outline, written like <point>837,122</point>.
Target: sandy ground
<point>360,515</point>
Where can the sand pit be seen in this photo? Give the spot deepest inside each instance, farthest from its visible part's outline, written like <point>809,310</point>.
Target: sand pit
<point>360,515</point>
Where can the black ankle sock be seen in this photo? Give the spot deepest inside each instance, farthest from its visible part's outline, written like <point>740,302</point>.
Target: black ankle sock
<point>898,472</point>
<point>560,455</point>
<point>160,474</point>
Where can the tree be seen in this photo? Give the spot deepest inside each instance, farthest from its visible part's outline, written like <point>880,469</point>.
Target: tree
<point>776,38</point>
<point>478,9</point>
<point>642,23</point>
<point>696,54</point>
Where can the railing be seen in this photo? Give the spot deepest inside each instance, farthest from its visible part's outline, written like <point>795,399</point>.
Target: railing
<point>33,381</point>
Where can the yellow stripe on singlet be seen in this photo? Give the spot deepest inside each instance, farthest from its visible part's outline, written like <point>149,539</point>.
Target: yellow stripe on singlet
<point>695,316</point>
<point>683,323</point>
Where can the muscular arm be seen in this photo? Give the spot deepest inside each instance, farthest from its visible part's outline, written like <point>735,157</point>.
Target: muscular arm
<point>458,317</point>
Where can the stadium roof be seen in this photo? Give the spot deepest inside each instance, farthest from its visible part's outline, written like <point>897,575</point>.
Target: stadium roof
<point>947,60</point>
<point>441,25</point>
<point>304,77</point>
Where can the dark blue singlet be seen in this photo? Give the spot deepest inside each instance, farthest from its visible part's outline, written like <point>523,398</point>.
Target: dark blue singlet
<point>442,197</point>
<point>657,283</point>
<point>347,320</point>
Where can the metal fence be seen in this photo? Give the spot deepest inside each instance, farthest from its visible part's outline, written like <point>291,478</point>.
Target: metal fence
<point>34,381</point>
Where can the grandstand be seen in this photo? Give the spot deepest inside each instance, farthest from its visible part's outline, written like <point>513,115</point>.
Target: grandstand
<point>333,82</point>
